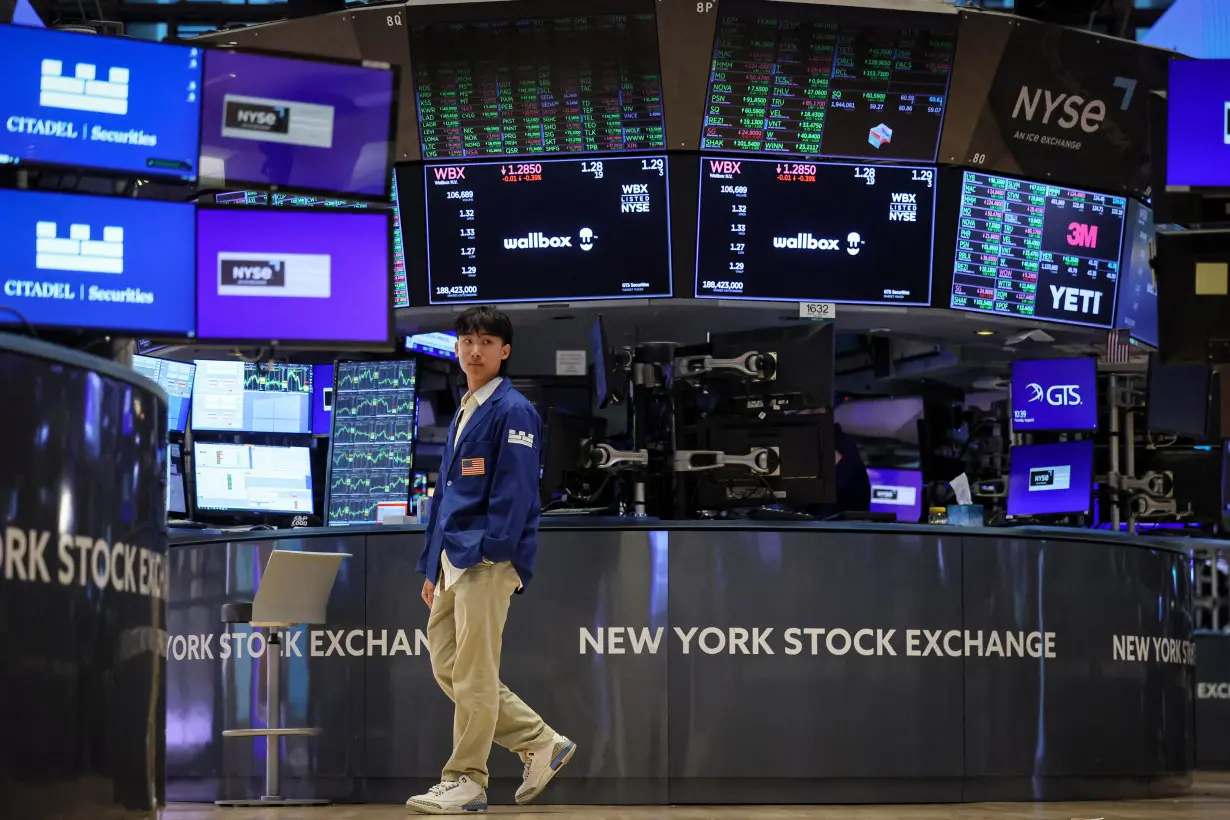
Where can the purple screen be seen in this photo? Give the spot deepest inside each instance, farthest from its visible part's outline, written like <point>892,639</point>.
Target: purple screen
<point>1055,394</point>
<point>293,276</point>
<point>295,124</point>
<point>322,399</point>
<point>896,491</point>
<point>1049,479</point>
<point>1198,127</point>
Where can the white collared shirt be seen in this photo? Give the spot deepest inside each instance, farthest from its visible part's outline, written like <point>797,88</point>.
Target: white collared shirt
<point>470,403</point>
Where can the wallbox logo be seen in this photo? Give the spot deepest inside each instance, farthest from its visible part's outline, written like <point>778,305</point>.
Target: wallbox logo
<point>1082,236</point>
<point>1049,478</point>
<point>1075,300</point>
<point>1073,109</point>
<point>1057,395</point>
<point>808,242</point>
<point>81,252</point>
<point>295,275</point>
<point>265,119</point>
<point>537,241</point>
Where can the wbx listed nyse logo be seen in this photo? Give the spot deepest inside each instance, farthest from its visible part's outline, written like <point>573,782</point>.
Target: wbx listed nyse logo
<point>297,275</point>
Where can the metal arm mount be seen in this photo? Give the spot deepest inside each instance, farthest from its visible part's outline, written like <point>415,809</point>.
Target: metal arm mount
<point>606,457</point>
<point>1152,483</point>
<point>760,461</point>
<point>1145,506</point>
<point>755,365</point>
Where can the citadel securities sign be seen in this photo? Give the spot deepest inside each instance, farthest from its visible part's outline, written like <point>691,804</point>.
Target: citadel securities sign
<point>1052,103</point>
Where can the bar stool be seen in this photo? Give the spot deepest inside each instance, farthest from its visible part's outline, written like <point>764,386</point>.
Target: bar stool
<point>294,590</point>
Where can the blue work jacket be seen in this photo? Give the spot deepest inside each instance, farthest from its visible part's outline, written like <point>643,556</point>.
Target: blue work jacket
<point>486,499</point>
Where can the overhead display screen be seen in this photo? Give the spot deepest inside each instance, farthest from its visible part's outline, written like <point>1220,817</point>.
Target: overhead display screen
<point>97,263</point>
<point>1137,304</point>
<point>828,81</point>
<point>1054,394</point>
<point>520,87</point>
<point>551,230</point>
<point>784,230</point>
<point>294,276</point>
<point>1198,124</point>
<point>1037,251</point>
<point>301,124</point>
<point>105,103</point>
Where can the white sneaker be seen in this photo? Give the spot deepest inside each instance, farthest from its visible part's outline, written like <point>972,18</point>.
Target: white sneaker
<point>542,764</point>
<point>461,796</point>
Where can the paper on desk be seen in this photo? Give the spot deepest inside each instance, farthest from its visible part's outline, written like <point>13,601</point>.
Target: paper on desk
<point>960,487</point>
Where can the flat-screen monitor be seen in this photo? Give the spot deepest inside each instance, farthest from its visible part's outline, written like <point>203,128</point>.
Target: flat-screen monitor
<point>177,497</point>
<point>509,86</point>
<point>239,478</point>
<point>316,278</point>
<point>1178,398</point>
<point>1051,479</point>
<point>1037,251</point>
<point>818,80</point>
<point>243,397</point>
<point>97,263</point>
<point>1137,304</point>
<point>108,104</point>
<point>1198,124</point>
<point>1193,292</point>
<point>371,452</point>
<point>441,345</point>
<point>899,492</point>
<point>795,231</point>
<point>176,379</point>
<point>1054,394</point>
<point>548,230</point>
<point>297,123</point>
<point>322,399</point>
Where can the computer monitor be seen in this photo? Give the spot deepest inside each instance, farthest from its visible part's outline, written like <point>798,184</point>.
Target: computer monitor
<point>371,451</point>
<point>243,397</point>
<point>770,230</point>
<point>1178,398</point>
<point>800,368</point>
<point>1193,291</point>
<point>1197,128</point>
<point>176,379</point>
<point>803,468</point>
<point>899,492</point>
<point>113,105</point>
<point>440,345</point>
<point>177,496</point>
<point>93,263</point>
<point>1137,302</point>
<point>251,478</point>
<point>548,230</point>
<point>322,399</point>
<point>565,449</point>
<point>1050,479</point>
<point>608,378</point>
<point>1034,250</point>
<point>1055,394</point>
<point>297,123</point>
<point>295,277</point>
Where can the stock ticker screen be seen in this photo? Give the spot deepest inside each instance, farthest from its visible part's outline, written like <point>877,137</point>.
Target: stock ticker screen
<point>371,452</point>
<point>545,86</point>
<point>782,230</point>
<point>549,230</point>
<point>1038,251</point>
<point>244,397</point>
<point>828,81</point>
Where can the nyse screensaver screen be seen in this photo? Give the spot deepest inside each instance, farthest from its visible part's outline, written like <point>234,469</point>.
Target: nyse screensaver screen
<point>843,232</point>
<point>548,230</point>
<point>828,81</point>
<point>1036,250</point>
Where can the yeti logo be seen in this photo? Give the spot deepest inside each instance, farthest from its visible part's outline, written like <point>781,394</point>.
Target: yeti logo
<point>587,239</point>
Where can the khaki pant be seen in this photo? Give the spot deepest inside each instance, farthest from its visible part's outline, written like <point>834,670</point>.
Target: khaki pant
<point>465,633</point>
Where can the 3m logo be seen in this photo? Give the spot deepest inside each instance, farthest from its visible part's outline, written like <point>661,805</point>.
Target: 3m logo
<point>1082,236</point>
<point>83,91</point>
<point>79,252</point>
<point>264,119</point>
<point>295,275</point>
<point>724,166</point>
<point>1050,478</point>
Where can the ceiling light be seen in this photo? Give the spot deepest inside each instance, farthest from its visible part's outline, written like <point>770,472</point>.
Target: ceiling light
<point>985,332</point>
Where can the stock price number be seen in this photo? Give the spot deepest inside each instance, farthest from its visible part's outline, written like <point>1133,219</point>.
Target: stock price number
<point>722,286</point>
<point>457,290</point>
<point>658,165</point>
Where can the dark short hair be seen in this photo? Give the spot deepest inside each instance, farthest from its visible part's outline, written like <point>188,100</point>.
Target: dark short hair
<point>486,321</point>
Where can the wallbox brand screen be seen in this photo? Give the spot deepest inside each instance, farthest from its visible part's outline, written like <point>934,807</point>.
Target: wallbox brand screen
<point>293,275</point>
<point>1198,124</point>
<point>770,229</point>
<point>1054,394</point>
<point>1137,304</point>
<point>296,123</point>
<point>899,492</point>
<point>1037,251</point>
<point>555,230</point>
<point>97,262</point>
<point>1050,479</point>
<point>99,102</point>
<point>828,81</point>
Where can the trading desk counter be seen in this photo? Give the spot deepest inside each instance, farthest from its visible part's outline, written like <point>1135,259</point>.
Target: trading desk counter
<point>720,663</point>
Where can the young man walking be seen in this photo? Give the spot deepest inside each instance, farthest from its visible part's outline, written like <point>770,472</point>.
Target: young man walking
<point>480,547</point>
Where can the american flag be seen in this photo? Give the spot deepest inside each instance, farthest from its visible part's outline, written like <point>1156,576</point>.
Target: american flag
<point>1119,347</point>
<point>473,466</point>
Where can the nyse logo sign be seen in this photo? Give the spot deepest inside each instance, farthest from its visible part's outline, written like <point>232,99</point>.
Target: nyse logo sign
<point>253,117</point>
<point>1069,111</point>
<point>1057,395</point>
<point>1075,300</point>
<point>252,273</point>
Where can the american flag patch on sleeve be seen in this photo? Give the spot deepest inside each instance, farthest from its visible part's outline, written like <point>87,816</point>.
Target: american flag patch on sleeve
<point>473,466</point>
